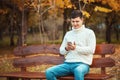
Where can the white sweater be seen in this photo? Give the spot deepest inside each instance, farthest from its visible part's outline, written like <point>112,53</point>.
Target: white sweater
<point>85,41</point>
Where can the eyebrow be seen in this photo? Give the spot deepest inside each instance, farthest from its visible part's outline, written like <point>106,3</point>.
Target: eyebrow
<point>75,21</point>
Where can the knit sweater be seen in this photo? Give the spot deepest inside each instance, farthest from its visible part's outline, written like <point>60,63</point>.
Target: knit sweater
<point>85,41</point>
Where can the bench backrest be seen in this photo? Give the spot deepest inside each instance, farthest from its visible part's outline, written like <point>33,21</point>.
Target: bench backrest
<point>49,54</point>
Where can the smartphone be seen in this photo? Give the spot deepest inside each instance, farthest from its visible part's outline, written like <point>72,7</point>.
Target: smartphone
<point>69,43</point>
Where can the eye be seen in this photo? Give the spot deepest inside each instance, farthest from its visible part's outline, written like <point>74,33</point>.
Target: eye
<point>73,21</point>
<point>77,21</point>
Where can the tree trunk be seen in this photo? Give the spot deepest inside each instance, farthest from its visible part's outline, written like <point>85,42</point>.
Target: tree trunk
<point>1,38</point>
<point>117,31</point>
<point>66,24</point>
<point>108,34</point>
<point>110,21</point>
<point>22,32</point>
<point>11,31</point>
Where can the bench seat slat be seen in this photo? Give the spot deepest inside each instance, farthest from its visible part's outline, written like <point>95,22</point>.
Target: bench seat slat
<point>41,75</point>
<point>90,76</point>
<point>31,75</point>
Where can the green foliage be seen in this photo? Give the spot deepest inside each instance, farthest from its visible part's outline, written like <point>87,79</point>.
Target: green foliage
<point>4,42</point>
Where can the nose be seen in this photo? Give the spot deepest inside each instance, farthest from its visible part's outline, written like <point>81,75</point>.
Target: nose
<point>75,23</point>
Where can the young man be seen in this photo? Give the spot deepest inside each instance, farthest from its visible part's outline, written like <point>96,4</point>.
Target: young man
<point>78,47</point>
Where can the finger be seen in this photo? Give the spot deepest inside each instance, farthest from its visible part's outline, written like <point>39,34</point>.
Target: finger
<point>74,43</point>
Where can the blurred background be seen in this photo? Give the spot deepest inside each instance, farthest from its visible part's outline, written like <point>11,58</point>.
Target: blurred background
<point>26,22</point>
<point>46,21</point>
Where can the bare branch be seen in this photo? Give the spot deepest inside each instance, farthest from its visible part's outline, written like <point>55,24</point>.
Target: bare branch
<point>46,10</point>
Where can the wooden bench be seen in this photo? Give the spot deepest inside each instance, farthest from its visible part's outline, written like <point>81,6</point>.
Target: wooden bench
<point>34,55</point>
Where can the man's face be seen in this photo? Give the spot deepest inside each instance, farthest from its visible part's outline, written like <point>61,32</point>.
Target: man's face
<point>76,22</point>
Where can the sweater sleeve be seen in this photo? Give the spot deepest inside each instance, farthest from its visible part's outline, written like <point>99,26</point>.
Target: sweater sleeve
<point>63,45</point>
<point>91,45</point>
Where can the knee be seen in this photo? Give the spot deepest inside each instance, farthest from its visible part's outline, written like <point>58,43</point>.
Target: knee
<point>48,71</point>
<point>81,71</point>
<point>49,74</point>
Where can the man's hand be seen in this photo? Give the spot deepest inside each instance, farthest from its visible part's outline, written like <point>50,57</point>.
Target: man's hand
<point>70,46</point>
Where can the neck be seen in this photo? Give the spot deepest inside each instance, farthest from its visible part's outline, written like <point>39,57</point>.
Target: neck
<point>78,29</point>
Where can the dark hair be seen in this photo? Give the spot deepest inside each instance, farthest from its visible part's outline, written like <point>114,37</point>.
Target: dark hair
<point>76,13</point>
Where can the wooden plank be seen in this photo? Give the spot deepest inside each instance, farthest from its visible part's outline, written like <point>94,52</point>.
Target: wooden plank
<point>89,76</point>
<point>102,62</point>
<point>31,75</point>
<point>103,49</point>
<point>37,60</point>
<point>41,75</point>
<point>28,50</point>
<point>36,49</point>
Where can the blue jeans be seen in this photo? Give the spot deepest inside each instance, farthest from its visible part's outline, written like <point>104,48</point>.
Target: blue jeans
<point>78,69</point>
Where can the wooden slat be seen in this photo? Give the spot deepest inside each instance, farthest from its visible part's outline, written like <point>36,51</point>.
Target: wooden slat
<point>37,60</point>
<point>102,49</point>
<point>41,75</point>
<point>102,62</point>
<point>89,76</point>
<point>36,49</point>
<point>28,50</point>
<point>31,75</point>
<point>54,49</point>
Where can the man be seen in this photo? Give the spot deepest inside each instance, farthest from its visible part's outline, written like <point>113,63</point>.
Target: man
<point>78,47</point>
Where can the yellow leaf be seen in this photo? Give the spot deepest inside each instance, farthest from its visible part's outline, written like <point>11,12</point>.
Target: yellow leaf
<point>86,14</point>
<point>60,3</point>
<point>63,4</point>
<point>102,9</point>
<point>115,4</point>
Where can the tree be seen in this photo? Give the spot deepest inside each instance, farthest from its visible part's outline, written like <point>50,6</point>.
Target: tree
<point>110,7</point>
<point>9,17</point>
<point>17,12</point>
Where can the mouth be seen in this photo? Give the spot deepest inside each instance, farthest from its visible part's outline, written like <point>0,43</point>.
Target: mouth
<point>75,27</point>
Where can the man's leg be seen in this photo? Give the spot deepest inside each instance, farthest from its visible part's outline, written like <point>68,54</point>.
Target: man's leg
<point>80,71</point>
<point>56,71</point>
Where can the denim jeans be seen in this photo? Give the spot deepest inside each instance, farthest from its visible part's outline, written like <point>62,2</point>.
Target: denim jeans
<point>78,69</point>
